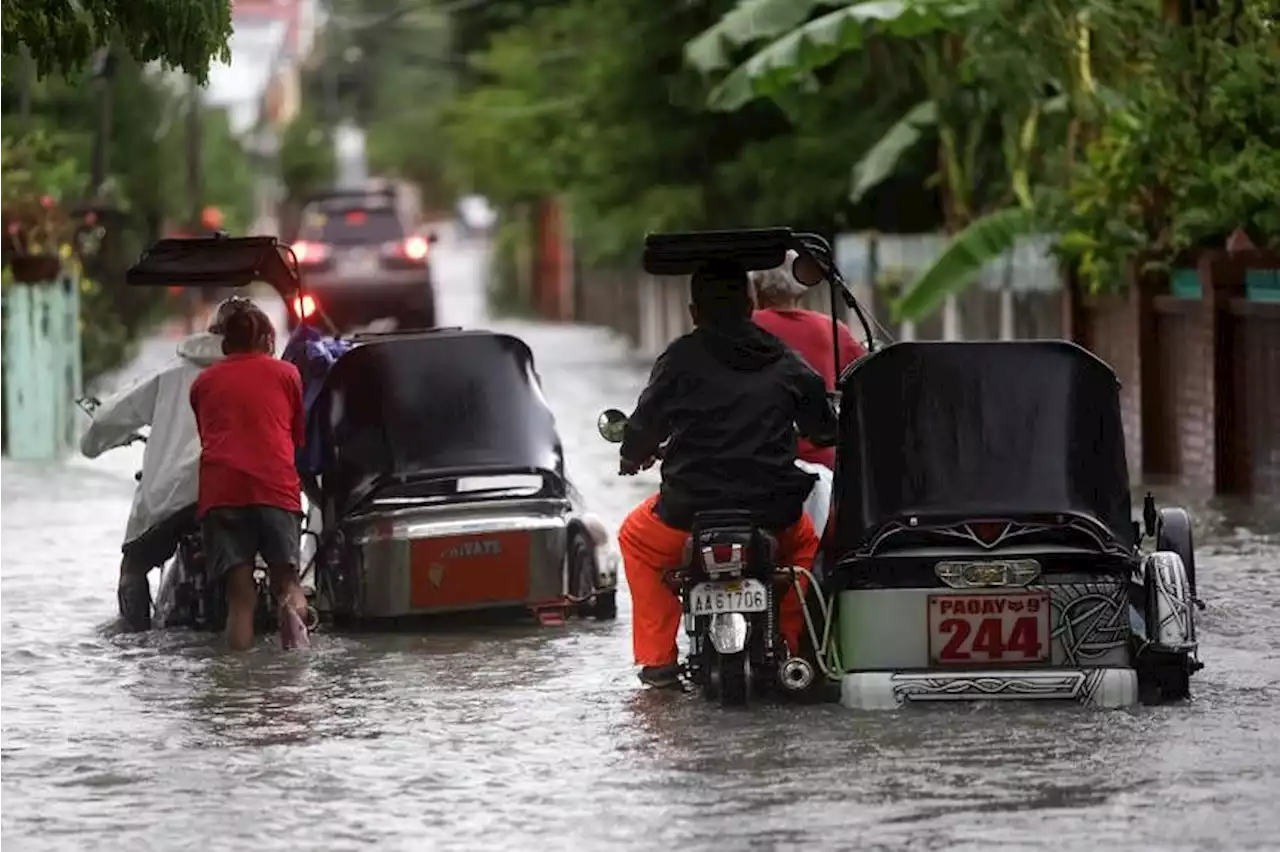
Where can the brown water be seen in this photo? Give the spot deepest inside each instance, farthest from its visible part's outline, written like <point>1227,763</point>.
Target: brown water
<point>539,738</point>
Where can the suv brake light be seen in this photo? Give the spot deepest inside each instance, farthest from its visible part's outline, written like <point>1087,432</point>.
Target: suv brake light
<point>309,252</point>
<point>415,248</point>
<point>304,306</point>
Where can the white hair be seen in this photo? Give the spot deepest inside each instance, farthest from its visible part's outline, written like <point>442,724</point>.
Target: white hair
<point>778,286</point>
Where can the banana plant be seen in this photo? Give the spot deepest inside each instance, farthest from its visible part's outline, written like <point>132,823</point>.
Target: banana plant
<point>936,34</point>
<point>800,46</point>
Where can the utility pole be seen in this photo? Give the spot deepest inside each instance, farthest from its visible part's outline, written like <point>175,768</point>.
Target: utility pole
<point>104,67</point>
<point>195,135</point>
<point>28,79</point>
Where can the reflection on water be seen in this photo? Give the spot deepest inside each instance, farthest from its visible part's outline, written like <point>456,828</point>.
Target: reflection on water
<point>531,738</point>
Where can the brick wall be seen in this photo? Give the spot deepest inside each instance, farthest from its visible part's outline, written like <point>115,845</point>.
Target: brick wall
<point>1256,410</point>
<point>1184,408</point>
<point>1106,326</point>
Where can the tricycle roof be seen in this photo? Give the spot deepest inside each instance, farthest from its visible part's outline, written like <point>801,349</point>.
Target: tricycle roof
<point>216,261</point>
<point>941,432</point>
<point>421,405</point>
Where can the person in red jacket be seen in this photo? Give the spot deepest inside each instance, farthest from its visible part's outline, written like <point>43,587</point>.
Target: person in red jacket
<point>249,413</point>
<point>808,333</point>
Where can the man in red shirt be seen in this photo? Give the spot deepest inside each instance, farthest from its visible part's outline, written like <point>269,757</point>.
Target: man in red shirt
<point>249,413</point>
<point>807,333</point>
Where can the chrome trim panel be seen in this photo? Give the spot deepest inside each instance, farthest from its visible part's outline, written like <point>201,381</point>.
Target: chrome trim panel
<point>384,541</point>
<point>1100,688</point>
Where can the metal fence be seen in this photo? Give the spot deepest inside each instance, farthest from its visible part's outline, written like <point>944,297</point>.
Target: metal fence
<point>1017,296</point>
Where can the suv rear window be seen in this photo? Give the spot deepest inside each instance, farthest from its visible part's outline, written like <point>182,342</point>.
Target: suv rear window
<point>351,225</point>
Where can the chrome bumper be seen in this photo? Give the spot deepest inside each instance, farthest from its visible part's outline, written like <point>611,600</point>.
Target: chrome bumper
<point>1102,688</point>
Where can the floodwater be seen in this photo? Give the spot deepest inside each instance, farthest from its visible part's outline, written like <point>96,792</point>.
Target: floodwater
<point>538,738</point>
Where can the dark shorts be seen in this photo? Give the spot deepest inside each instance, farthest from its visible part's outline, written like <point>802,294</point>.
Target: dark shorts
<point>235,535</point>
<point>154,547</point>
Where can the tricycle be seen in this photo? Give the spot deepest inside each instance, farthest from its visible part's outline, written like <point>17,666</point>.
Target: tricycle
<point>981,543</point>
<point>439,483</point>
<point>442,487</point>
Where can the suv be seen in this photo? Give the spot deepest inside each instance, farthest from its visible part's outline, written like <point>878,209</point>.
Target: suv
<point>361,259</point>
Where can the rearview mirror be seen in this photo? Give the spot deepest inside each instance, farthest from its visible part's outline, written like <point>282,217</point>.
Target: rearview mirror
<point>807,271</point>
<point>612,423</point>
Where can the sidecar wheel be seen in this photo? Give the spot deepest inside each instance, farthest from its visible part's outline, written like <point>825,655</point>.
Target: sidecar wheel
<point>581,561</point>
<point>1173,532</point>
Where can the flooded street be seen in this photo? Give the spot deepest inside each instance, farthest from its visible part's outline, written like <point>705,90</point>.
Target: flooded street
<point>539,738</point>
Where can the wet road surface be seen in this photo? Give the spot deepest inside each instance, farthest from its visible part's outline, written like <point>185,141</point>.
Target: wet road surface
<point>523,739</point>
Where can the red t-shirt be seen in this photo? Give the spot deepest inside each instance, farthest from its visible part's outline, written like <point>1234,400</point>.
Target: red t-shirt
<point>808,333</point>
<point>248,409</point>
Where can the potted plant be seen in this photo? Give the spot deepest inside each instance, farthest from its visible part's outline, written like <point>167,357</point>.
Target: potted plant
<point>40,227</point>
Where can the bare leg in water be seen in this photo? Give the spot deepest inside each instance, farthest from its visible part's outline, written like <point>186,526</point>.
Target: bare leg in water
<point>133,597</point>
<point>242,601</point>
<point>292,607</point>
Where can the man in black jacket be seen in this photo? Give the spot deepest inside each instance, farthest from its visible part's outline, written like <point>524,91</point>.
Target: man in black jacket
<point>729,396</point>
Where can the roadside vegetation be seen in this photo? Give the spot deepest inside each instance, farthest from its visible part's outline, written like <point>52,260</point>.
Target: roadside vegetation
<point>1123,127</point>
<point>98,186</point>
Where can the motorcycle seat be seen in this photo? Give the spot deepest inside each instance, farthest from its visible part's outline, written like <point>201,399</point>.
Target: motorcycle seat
<point>734,524</point>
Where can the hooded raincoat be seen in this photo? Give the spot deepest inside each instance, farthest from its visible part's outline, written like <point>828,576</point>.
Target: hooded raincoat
<point>171,463</point>
<point>731,400</point>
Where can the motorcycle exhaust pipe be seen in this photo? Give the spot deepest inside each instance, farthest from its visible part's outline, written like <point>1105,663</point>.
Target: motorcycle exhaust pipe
<point>796,674</point>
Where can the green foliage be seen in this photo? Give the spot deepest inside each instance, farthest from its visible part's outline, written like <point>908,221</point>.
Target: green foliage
<point>591,101</point>
<point>40,178</point>
<point>882,159</point>
<point>146,183</point>
<point>801,50</point>
<point>1122,130</point>
<point>306,155</point>
<point>981,242</point>
<point>62,36</point>
<point>1191,153</point>
<point>388,68</point>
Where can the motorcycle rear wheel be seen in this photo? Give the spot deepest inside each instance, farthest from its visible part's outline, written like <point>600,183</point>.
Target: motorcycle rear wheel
<point>730,676</point>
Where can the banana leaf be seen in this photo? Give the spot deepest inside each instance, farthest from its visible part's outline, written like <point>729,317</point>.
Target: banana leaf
<point>750,20</point>
<point>984,240</point>
<point>881,160</point>
<point>816,43</point>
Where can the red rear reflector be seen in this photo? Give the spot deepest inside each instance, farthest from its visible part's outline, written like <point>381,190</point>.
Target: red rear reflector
<point>722,552</point>
<point>415,248</point>
<point>989,532</point>
<point>304,306</point>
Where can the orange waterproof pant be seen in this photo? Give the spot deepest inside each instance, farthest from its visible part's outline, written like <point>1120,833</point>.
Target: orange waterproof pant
<point>650,547</point>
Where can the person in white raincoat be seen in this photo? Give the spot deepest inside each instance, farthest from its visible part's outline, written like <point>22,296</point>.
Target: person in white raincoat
<point>164,503</point>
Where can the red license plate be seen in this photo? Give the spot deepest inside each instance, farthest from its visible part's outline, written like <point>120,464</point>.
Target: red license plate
<point>1011,627</point>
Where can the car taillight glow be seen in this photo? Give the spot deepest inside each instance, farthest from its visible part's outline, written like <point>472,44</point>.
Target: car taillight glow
<point>304,305</point>
<point>415,248</point>
<point>308,252</point>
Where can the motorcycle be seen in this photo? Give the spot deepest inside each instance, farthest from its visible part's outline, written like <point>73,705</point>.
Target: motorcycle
<point>730,585</point>
<point>187,596</point>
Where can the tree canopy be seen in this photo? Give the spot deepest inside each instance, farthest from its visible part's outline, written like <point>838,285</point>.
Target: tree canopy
<point>593,102</point>
<point>60,35</point>
<point>1124,127</point>
<point>1120,126</point>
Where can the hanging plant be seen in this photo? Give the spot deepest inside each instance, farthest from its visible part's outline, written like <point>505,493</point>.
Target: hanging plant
<point>40,225</point>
